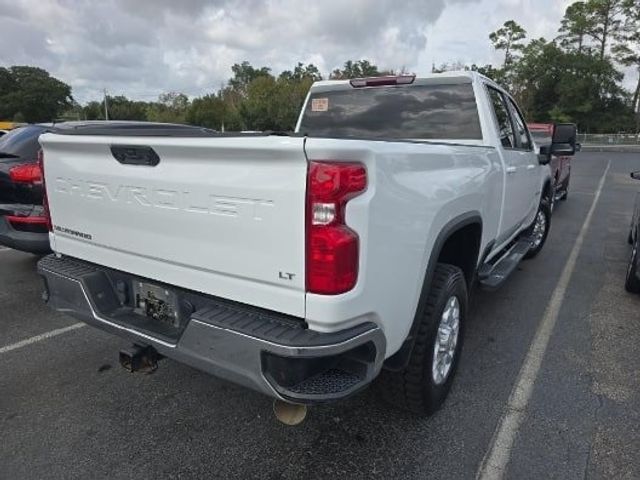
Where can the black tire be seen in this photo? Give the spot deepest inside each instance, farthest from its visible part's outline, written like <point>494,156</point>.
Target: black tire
<point>413,388</point>
<point>536,246</point>
<point>631,283</point>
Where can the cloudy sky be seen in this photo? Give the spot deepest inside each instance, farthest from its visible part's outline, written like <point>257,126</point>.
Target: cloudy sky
<point>142,48</point>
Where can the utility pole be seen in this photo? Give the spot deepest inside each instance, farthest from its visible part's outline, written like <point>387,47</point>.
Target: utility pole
<point>106,109</point>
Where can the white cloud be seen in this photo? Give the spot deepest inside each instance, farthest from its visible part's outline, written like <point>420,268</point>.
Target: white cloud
<point>145,47</point>
<point>461,34</point>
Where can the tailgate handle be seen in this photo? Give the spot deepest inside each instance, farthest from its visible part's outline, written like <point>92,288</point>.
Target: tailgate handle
<point>135,155</point>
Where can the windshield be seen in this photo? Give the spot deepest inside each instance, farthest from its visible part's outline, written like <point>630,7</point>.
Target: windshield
<point>22,142</point>
<point>444,112</point>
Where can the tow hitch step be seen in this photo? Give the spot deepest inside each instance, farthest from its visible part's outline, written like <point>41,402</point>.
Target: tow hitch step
<point>492,275</point>
<point>139,358</point>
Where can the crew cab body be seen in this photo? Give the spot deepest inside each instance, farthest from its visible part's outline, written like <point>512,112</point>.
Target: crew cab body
<point>295,265</point>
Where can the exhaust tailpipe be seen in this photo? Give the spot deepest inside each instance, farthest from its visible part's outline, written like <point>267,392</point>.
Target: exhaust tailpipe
<point>289,413</point>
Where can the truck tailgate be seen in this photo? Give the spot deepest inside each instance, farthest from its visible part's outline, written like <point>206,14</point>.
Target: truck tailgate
<point>223,216</point>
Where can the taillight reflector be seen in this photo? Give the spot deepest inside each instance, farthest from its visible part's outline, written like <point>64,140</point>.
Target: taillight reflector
<point>332,247</point>
<point>29,173</point>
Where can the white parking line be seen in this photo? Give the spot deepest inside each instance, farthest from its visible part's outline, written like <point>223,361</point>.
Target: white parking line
<point>39,338</point>
<point>494,463</point>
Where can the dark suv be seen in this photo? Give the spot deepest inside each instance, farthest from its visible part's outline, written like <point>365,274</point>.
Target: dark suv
<point>23,225</point>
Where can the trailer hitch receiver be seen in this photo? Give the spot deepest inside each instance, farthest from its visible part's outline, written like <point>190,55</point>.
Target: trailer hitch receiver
<point>138,358</point>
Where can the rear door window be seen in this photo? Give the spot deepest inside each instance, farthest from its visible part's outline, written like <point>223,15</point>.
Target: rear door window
<point>416,112</point>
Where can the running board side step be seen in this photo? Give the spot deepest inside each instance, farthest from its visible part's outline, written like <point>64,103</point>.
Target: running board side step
<point>492,275</point>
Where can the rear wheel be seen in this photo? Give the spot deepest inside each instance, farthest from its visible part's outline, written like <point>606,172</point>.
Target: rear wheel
<point>422,386</point>
<point>539,229</point>
<point>632,284</point>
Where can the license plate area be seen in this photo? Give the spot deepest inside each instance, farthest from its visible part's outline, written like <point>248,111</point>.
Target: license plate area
<point>156,303</point>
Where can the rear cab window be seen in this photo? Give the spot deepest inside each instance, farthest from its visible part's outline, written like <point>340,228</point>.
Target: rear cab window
<point>434,111</point>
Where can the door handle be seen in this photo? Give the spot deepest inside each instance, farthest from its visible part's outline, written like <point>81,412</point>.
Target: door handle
<point>511,169</point>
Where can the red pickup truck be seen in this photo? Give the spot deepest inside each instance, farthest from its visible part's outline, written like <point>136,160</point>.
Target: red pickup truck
<point>560,164</point>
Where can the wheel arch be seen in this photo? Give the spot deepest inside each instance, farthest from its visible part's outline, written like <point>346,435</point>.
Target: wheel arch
<point>452,231</point>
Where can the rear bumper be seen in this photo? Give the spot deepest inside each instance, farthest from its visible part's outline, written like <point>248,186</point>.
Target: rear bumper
<point>272,353</point>
<point>31,242</point>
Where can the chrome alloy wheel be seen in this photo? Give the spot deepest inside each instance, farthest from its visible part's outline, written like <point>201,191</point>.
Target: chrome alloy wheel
<point>539,229</point>
<point>444,348</point>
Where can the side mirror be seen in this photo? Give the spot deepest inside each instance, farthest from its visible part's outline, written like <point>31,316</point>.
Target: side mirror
<point>564,139</point>
<point>635,175</point>
<point>578,147</point>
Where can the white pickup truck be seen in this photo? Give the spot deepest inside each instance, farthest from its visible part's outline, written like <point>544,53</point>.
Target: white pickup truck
<point>305,265</point>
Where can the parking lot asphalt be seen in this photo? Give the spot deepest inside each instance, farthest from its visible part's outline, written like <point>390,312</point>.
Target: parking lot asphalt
<point>67,410</point>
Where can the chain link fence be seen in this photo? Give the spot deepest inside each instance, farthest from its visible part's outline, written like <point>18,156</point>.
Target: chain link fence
<point>609,139</point>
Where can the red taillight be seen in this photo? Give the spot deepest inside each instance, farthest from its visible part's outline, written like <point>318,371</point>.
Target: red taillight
<point>332,247</point>
<point>45,200</point>
<point>26,174</point>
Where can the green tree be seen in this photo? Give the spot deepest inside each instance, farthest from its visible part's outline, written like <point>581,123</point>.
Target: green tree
<point>121,108</point>
<point>244,73</point>
<point>509,38</point>
<point>575,27</point>
<point>274,104</point>
<point>535,71</point>
<point>93,111</point>
<point>31,94</point>
<point>603,20</point>
<point>558,85</point>
<point>259,110</point>
<point>171,107</point>
<point>627,49</point>
<point>357,69</point>
<point>74,113</point>
<point>208,111</point>
<point>292,94</point>
<point>302,72</point>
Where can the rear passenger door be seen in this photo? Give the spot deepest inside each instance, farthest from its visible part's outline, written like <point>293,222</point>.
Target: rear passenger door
<point>524,148</point>
<point>517,182</point>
